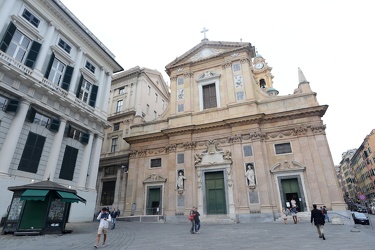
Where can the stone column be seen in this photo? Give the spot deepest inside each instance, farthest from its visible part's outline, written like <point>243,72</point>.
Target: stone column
<point>76,72</point>
<point>55,152</point>
<point>44,49</point>
<point>12,137</point>
<point>85,164</point>
<point>5,9</point>
<point>95,163</point>
<point>102,89</point>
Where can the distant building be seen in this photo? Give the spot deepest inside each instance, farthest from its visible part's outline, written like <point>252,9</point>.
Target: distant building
<point>363,166</point>
<point>230,144</point>
<point>137,95</point>
<point>55,77</point>
<point>346,177</point>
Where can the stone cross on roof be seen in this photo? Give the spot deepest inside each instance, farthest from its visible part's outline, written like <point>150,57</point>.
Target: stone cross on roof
<point>204,32</point>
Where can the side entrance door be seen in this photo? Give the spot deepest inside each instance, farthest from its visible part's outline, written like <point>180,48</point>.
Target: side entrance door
<point>215,193</point>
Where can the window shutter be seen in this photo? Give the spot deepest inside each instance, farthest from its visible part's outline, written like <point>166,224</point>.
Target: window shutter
<point>54,125</point>
<point>31,153</point>
<point>30,114</point>
<point>46,75</point>
<point>69,163</point>
<point>67,78</point>
<point>94,93</point>
<point>85,138</point>
<point>33,54</point>
<point>79,86</point>
<point>11,106</point>
<point>8,37</point>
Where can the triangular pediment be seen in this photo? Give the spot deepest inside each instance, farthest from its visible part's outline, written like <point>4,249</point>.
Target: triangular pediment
<point>287,166</point>
<point>207,50</point>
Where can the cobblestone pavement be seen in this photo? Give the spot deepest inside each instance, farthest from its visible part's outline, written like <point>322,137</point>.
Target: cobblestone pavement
<point>136,235</point>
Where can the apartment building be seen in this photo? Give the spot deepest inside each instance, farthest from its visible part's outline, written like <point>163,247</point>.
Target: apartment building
<point>55,78</point>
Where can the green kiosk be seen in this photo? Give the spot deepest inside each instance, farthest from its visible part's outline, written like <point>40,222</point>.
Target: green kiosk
<point>40,208</point>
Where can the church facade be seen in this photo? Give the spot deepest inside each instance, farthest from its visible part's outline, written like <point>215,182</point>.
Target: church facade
<point>229,144</point>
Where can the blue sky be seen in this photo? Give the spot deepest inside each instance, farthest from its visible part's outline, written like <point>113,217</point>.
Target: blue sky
<point>331,41</point>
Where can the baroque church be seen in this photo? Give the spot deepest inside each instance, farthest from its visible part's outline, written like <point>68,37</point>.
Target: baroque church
<point>229,144</point>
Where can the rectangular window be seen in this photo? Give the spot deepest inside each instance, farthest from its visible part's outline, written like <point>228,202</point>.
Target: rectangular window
<point>69,163</point>
<point>180,81</point>
<point>84,92</point>
<point>236,67</point>
<point>31,153</point>
<point>240,95</point>
<point>64,45</point>
<point>283,148</point>
<point>209,96</point>
<point>74,133</point>
<point>156,97</point>
<point>247,151</point>
<point>119,106</point>
<point>114,145</point>
<point>148,90</point>
<point>108,193</point>
<point>41,120</point>
<point>163,104</point>
<point>155,115</point>
<point>155,163</point>
<point>31,18</point>
<point>19,46</point>
<point>116,126</point>
<point>90,67</point>
<point>180,108</point>
<point>121,91</point>
<point>57,72</point>
<point>180,158</point>
<point>147,109</point>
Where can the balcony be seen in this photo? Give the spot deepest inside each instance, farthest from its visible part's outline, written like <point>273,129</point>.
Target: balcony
<point>12,62</point>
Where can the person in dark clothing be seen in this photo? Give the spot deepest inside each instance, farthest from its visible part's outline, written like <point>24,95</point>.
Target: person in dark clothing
<point>318,218</point>
<point>191,213</point>
<point>114,214</point>
<point>197,221</point>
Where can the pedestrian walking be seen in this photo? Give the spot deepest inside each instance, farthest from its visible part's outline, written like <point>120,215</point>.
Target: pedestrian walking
<point>325,213</point>
<point>293,210</point>
<point>114,214</point>
<point>104,218</point>
<point>318,218</point>
<point>191,218</point>
<point>197,221</point>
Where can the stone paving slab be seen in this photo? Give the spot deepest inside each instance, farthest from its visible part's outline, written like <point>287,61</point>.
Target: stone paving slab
<point>136,235</point>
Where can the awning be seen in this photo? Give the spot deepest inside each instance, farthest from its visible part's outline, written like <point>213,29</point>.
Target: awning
<point>34,195</point>
<point>70,197</point>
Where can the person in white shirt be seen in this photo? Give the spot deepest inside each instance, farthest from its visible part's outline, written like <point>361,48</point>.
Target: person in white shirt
<point>104,218</point>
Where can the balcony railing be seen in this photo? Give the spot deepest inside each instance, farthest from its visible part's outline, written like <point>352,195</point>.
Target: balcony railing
<point>11,61</point>
<point>54,87</point>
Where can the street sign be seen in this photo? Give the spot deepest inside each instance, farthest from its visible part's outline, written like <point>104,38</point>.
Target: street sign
<point>362,197</point>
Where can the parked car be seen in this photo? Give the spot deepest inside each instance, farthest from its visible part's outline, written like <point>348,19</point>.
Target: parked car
<point>358,208</point>
<point>360,218</point>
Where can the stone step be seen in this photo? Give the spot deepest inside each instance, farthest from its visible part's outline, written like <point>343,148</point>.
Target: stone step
<point>217,219</point>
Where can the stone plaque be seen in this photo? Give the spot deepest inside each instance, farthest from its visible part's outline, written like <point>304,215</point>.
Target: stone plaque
<point>253,196</point>
<point>180,201</point>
